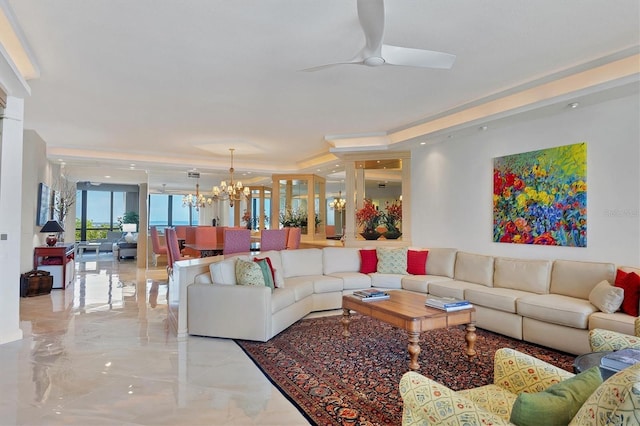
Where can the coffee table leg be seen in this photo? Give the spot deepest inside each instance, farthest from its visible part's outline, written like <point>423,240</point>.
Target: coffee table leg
<point>470,337</point>
<point>414,349</point>
<point>346,319</point>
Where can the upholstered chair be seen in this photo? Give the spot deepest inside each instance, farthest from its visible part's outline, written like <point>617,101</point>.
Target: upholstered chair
<point>273,239</point>
<point>158,249</point>
<point>606,340</point>
<point>425,401</point>
<point>173,248</point>
<point>293,238</point>
<point>237,241</point>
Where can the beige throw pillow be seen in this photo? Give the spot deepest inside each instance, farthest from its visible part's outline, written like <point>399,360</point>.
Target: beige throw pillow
<point>606,297</point>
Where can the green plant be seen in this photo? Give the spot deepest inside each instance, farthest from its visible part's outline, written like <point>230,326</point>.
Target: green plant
<point>128,217</point>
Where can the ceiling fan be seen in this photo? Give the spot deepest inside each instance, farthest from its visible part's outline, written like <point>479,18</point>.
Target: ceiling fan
<point>376,53</point>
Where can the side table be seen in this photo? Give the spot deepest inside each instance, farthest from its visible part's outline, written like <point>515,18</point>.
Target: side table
<point>592,359</point>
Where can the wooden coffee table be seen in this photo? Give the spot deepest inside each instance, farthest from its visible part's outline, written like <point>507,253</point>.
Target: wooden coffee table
<point>407,310</point>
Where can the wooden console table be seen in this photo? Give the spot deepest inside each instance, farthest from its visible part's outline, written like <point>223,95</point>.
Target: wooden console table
<point>58,260</point>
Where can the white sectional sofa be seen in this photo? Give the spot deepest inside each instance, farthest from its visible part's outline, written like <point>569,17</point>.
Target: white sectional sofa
<point>540,301</point>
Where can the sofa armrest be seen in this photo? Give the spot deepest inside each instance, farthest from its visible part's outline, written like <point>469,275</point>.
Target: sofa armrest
<point>428,402</point>
<point>229,311</point>
<point>607,340</point>
<point>518,372</point>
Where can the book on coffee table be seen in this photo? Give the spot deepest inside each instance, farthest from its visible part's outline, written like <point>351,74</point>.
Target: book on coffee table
<point>447,303</point>
<point>371,295</point>
<point>619,360</point>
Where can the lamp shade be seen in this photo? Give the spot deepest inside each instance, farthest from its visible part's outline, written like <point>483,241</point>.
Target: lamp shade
<point>52,226</point>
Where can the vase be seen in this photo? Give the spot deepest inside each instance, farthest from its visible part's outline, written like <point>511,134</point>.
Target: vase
<point>392,235</point>
<point>370,234</point>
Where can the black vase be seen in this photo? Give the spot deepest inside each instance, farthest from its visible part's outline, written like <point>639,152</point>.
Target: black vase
<point>370,234</point>
<point>392,235</point>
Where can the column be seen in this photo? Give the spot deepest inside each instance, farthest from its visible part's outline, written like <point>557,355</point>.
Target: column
<point>11,145</point>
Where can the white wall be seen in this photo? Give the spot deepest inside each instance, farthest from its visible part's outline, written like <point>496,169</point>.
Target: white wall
<point>452,183</point>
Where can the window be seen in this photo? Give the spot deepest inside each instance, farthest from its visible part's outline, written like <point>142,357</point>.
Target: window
<point>167,210</point>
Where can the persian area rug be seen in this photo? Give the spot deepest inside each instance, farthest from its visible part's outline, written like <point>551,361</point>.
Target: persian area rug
<point>335,380</point>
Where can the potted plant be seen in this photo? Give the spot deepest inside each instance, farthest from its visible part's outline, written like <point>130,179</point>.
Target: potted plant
<point>391,219</point>
<point>368,217</point>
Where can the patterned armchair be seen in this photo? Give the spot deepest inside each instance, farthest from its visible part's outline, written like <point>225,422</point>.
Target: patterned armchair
<point>606,340</point>
<point>428,402</point>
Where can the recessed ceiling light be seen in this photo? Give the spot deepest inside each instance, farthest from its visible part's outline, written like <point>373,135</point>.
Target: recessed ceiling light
<point>108,177</point>
<point>60,159</point>
<point>573,105</point>
<point>423,143</point>
<point>484,128</point>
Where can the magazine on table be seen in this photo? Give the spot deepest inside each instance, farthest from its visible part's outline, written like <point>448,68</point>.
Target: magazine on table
<point>619,360</point>
<point>446,302</point>
<point>371,294</point>
<point>451,308</point>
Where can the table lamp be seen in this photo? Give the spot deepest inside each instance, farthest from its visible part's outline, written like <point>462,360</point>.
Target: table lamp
<point>53,228</point>
<point>129,228</point>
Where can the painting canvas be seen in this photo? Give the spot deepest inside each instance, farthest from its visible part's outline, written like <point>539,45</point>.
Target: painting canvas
<point>44,204</point>
<point>540,197</point>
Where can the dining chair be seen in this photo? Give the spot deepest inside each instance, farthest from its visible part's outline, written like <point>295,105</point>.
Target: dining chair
<point>237,241</point>
<point>174,247</point>
<point>293,241</point>
<point>167,238</point>
<point>273,239</point>
<point>158,249</point>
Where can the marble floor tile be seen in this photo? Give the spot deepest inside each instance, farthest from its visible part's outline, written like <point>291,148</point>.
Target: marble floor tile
<point>100,353</point>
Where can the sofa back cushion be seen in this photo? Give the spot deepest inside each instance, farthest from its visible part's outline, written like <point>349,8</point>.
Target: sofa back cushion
<point>301,262</point>
<point>525,275</point>
<point>577,279</point>
<point>474,268</point>
<point>340,259</point>
<point>224,272</point>
<point>441,261</point>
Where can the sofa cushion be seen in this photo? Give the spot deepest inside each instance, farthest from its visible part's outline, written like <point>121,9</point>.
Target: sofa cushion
<point>368,261</point>
<point>281,298</point>
<point>301,262</point>
<point>267,272</point>
<point>353,280</point>
<point>326,284</point>
<point>452,288</point>
<point>386,280</point>
<point>493,398</point>
<point>302,287</point>
<point>417,262</point>
<point>441,261</point>
<point>577,279</point>
<point>559,402</point>
<point>420,283</point>
<point>249,273</point>
<point>392,260</point>
<point>556,309</point>
<point>474,268</point>
<point>616,401</point>
<point>502,299</point>
<point>630,283</point>
<point>224,272</point>
<point>526,275</point>
<point>340,259</point>
<point>606,297</point>
<point>617,321</point>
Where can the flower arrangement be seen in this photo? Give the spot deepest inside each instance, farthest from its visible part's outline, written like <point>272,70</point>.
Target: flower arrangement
<point>293,218</point>
<point>368,216</point>
<point>392,217</point>
<point>246,218</point>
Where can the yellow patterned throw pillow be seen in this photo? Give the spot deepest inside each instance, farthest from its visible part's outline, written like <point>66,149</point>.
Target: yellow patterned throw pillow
<point>249,273</point>
<point>392,260</point>
<point>557,404</point>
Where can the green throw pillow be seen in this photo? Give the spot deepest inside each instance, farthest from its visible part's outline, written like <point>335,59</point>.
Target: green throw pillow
<point>392,260</point>
<point>557,404</point>
<point>249,273</point>
<point>266,272</point>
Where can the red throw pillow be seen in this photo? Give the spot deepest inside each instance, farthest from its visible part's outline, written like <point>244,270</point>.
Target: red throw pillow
<point>417,262</point>
<point>368,261</point>
<point>630,283</point>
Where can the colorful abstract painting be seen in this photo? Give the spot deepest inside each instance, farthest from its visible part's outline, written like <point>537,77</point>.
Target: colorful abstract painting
<point>540,197</point>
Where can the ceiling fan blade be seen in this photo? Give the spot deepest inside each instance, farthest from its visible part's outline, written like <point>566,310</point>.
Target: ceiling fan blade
<point>406,56</point>
<point>322,67</point>
<point>371,16</point>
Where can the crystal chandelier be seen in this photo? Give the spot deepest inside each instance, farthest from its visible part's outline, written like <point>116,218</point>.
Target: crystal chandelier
<point>338,204</point>
<point>233,191</point>
<point>198,200</point>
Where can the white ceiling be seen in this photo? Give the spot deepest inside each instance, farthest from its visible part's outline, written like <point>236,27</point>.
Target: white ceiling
<point>169,85</point>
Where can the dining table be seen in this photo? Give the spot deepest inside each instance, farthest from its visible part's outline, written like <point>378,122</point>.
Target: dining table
<point>216,249</point>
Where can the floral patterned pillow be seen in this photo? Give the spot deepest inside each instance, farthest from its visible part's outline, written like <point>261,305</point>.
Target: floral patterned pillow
<point>249,273</point>
<point>392,260</point>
